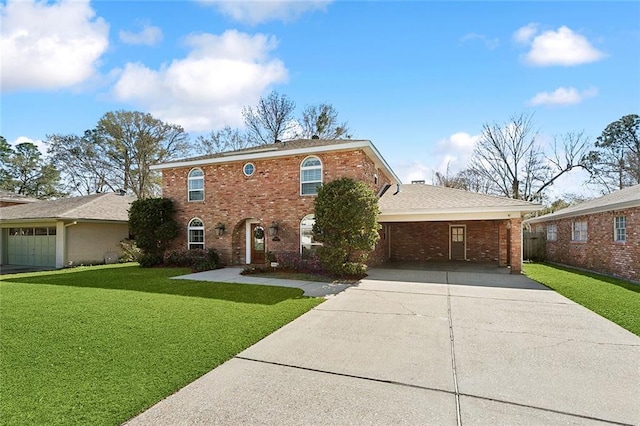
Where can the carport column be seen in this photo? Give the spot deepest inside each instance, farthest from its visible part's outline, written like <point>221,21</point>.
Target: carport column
<point>502,243</point>
<point>516,245</point>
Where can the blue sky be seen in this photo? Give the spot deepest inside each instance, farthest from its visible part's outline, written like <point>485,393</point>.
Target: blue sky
<point>419,79</point>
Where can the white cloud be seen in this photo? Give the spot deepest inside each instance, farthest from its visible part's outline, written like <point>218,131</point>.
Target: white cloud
<point>524,34</point>
<point>454,152</point>
<point>562,47</point>
<point>207,89</point>
<point>49,45</point>
<point>409,171</point>
<point>42,146</point>
<point>490,43</point>
<point>562,96</point>
<point>149,36</point>
<point>257,11</point>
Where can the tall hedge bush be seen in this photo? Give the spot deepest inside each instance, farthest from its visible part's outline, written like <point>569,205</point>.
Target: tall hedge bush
<point>152,222</point>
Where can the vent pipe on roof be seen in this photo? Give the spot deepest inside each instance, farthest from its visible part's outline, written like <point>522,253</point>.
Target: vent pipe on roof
<point>397,189</point>
<point>315,137</point>
<point>417,181</point>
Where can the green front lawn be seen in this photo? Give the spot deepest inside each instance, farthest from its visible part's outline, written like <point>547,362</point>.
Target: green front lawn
<point>616,300</point>
<point>99,345</point>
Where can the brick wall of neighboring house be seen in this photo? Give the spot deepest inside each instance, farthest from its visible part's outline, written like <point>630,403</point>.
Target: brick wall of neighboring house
<point>271,194</point>
<point>381,252</point>
<point>418,241</point>
<point>600,252</point>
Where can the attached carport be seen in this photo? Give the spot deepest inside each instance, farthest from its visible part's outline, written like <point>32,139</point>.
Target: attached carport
<point>425,223</point>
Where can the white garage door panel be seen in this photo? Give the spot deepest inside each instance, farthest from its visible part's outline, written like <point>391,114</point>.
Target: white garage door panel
<point>31,250</point>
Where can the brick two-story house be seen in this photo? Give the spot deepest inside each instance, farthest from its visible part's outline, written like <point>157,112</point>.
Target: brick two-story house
<point>601,235</point>
<point>250,202</point>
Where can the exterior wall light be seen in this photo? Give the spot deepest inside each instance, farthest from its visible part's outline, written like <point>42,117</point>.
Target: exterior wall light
<point>273,229</point>
<point>220,227</point>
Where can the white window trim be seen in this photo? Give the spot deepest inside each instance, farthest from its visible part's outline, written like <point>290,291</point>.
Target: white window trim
<point>195,228</point>
<point>555,232</point>
<point>615,229</point>
<point>189,179</point>
<point>249,238</point>
<point>321,167</point>
<point>245,173</point>
<point>306,227</point>
<point>573,230</point>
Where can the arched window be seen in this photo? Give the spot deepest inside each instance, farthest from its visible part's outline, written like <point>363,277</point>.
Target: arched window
<point>307,244</point>
<point>310,176</point>
<point>196,185</point>
<point>196,234</point>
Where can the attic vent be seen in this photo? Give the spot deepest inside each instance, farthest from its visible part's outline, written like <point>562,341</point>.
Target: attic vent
<point>315,137</point>
<point>417,181</point>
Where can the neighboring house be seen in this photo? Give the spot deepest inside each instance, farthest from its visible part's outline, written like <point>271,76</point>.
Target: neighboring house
<point>64,232</point>
<point>8,198</point>
<point>601,235</point>
<point>250,202</point>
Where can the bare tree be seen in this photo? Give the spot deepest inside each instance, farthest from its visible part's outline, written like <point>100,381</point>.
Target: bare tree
<point>227,139</point>
<point>510,158</point>
<point>321,120</point>
<point>135,141</point>
<point>83,163</point>
<point>271,120</point>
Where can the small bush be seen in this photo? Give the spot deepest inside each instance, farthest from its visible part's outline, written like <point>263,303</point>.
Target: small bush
<point>196,259</point>
<point>130,251</point>
<point>149,260</point>
<point>354,269</point>
<point>293,261</point>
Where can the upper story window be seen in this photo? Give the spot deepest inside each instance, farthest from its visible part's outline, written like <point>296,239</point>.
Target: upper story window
<point>620,228</point>
<point>579,231</point>
<point>310,176</point>
<point>196,234</point>
<point>196,185</point>
<point>248,169</point>
<point>552,232</point>
<point>308,244</point>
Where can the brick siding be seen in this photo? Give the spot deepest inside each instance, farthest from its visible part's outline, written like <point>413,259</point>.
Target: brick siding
<point>599,252</point>
<point>271,194</point>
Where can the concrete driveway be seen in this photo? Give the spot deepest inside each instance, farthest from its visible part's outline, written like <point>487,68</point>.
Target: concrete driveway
<point>426,347</point>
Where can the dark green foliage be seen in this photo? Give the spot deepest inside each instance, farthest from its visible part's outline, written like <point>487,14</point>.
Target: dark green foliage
<point>24,171</point>
<point>196,259</point>
<point>152,222</point>
<point>149,260</point>
<point>346,223</point>
<point>615,164</point>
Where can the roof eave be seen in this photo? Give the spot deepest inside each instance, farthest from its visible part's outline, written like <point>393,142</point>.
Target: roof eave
<point>582,212</point>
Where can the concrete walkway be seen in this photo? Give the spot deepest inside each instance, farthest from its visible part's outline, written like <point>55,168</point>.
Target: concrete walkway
<point>400,349</point>
<point>232,275</point>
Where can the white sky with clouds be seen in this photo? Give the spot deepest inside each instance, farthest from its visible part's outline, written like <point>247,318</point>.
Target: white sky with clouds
<point>417,78</point>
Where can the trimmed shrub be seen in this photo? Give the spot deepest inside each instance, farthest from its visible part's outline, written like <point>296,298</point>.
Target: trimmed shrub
<point>196,259</point>
<point>149,260</point>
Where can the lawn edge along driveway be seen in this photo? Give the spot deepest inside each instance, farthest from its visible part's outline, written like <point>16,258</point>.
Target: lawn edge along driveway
<point>100,345</point>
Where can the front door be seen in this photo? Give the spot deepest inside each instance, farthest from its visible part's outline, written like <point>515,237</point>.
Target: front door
<point>458,244</point>
<point>257,244</point>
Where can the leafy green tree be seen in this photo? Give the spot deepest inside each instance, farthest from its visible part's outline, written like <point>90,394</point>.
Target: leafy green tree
<point>346,224</point>
<point>152,222</point>
<point>271,120</point>
<point>615,163</point>
<point>321,120</point>
<point>133,142</point>
<point>25,172</point>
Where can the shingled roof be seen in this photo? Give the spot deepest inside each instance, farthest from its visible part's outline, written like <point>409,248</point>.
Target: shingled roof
<point>12,197</point>
<point>621,199</point>
<point>103,207</point>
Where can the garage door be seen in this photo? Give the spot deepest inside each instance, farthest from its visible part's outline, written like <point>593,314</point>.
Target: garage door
<point>32,246</point>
